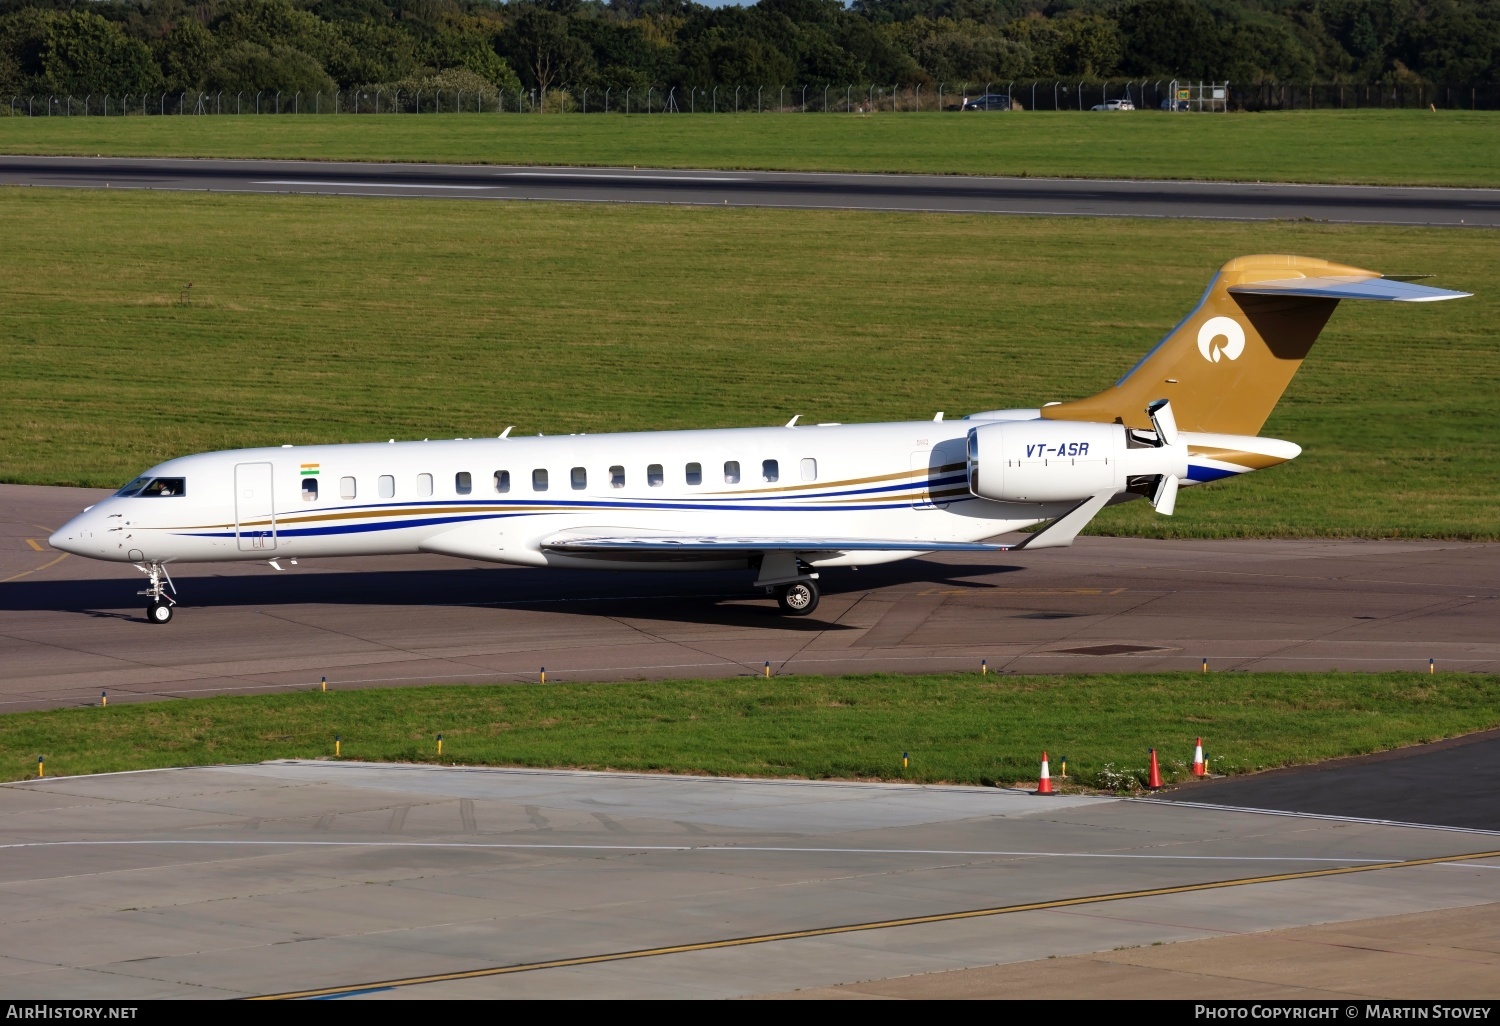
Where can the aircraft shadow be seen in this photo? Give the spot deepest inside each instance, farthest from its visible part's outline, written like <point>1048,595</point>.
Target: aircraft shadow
<point>720,598</point>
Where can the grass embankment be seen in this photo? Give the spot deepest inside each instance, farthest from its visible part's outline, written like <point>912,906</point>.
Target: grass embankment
<point>958,728</point>
<point>1370,146</point>
<point>327,319</point>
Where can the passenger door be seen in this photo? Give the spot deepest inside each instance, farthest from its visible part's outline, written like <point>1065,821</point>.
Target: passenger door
<point>254,508</point>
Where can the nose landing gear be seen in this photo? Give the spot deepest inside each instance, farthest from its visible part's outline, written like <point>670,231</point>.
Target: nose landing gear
<point>158,603</point>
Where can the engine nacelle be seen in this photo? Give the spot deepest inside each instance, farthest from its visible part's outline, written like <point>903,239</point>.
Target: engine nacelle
<point>1061,460</point>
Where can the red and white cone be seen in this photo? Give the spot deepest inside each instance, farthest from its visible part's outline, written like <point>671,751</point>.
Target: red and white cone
<point>1200,769</point>
<point>1044,783</point>
<point>1154,780</point>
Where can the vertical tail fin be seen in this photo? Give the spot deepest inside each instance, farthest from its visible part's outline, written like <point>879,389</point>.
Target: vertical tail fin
<point>1226,365</point>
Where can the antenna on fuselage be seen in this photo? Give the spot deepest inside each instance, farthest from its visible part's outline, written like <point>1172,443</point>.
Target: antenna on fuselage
<point>793,421</point>
<point>507,431</point>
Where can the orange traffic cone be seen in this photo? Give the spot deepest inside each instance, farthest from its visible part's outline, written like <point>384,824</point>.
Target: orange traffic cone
<point>1154,781</point>
<point>1199,769</point>
<point>1044,784</point>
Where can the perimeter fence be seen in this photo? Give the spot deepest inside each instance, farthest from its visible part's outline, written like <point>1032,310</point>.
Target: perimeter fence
<point>1032,94</point>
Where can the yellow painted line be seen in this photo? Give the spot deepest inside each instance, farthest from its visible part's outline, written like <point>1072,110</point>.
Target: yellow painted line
<point>884,924</point>
<point>1022,591</point>
<point>24,573</point>
<point>36,546</point>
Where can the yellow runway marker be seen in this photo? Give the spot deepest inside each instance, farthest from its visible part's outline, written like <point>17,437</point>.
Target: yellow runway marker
<point>885,924</point>
<point>36,546</point>
<point>25,573</point>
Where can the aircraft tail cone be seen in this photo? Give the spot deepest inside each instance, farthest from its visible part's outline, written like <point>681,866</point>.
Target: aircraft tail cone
<point>1200,769</point>
<point>1154,780</point>
<point>1044,782</point>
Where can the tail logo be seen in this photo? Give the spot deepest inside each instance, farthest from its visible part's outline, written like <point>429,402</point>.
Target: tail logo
<point>1221,337</point>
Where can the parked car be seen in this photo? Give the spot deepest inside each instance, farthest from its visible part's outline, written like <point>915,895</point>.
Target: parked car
<point>1115,105</point>
<point>1171,104</point>
<point>989,101</point>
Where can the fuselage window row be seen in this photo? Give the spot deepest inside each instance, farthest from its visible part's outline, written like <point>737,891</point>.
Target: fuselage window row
<point>578,479</point>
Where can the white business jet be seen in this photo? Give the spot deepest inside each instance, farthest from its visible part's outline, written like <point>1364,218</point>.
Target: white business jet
<point>781,501</point>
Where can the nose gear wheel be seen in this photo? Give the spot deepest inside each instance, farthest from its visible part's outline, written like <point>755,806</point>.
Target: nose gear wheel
<point>158,582</point>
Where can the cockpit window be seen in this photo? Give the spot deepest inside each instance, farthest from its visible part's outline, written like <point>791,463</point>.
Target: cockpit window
<point>160,488</point>
<point>133,487</point>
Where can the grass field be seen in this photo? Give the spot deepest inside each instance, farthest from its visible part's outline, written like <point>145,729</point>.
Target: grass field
<point>1372,146</point>
<point>328,319</point>
<point>957,728</point>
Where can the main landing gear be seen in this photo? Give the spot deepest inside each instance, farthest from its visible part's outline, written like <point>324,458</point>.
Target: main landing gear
<point>158,603</point>
<point>798,598</point>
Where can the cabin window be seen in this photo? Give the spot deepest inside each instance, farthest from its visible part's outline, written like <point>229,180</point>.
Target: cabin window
<point>502,481</point>
<point>424,484</point>
<point>732,472</point>
<point>309,489</point>
<point>654,476</point>
<point>770,470</point>
<point>694,473</point>
<point>579,479</point>
<point>617,477</point>
<point>809,469</point>
<point>387,486</point>
<point>539,480</point>
<point>347,489</point>
<point>463,482</point>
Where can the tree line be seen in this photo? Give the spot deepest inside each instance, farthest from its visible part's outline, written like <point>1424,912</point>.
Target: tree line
<point>115,47</point>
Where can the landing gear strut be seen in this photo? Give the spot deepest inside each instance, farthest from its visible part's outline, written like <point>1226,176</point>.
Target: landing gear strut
<point>798,598</point>
<point>158,603</point>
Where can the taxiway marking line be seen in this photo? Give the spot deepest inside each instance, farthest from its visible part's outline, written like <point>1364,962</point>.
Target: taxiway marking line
<point>24,573</point>
<point>884,924</point>
<point>36,546</point>
<point>689,848</point>
<point>627,178</point>
<point>380,185</point>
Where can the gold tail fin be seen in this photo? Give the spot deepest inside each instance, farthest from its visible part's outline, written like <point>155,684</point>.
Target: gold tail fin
<point>1225,366</point>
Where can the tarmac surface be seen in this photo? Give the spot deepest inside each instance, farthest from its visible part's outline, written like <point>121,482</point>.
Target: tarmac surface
<point>71,628</point>
<point>1455,782</point>
<point>1249,201</point>
<point>356,880</point>
<point>1454,953</point>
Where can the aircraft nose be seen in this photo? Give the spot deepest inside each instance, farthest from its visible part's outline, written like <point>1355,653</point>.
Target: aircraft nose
<point>72,536</point>
<point>62,541</point>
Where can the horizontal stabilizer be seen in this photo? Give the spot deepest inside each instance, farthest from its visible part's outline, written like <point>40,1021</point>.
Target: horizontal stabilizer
<point>727,547</point>
<point>1348,287</point>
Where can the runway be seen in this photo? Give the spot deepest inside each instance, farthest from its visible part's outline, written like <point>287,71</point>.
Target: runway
<point>352,880</point>
<point>1247,201</point>
<point>70,627</point>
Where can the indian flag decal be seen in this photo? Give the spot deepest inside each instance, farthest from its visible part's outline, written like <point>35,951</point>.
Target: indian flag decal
<point>310,469</point>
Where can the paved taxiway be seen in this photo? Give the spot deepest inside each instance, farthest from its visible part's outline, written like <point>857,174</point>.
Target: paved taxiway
<point>1252,201</point>
<point>1454,782</point>
<point>71,627</point>
<point>286,877</point>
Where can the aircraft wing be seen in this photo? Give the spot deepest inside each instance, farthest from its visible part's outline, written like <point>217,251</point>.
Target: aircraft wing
<point>698,547</point>
<point>1348,287</point>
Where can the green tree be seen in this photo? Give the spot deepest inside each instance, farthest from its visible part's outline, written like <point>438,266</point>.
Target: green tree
<point>82,53</point>
<point>250,67</point>
<point>186,54</point>
<point>545,53</point>
<point>1170,37</point>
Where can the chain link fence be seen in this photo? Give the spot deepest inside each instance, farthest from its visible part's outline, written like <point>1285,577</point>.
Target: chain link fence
<point>1032,94</point>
